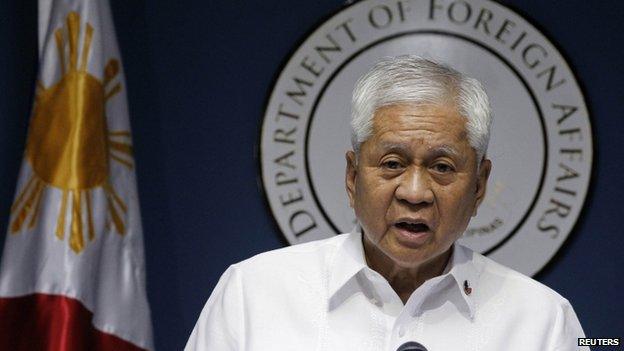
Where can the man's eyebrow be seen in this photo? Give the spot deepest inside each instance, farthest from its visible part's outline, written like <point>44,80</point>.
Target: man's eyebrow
<point>445,150</point>
<point>441,150</point>
<point>394,147</point>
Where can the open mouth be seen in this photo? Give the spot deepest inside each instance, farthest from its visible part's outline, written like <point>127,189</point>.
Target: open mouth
<point>413,227</point>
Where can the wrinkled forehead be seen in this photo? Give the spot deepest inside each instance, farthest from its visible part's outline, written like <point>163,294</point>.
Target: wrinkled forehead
<point>441,119</point>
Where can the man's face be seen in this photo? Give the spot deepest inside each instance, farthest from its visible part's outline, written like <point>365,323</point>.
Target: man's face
<point>415,184</point>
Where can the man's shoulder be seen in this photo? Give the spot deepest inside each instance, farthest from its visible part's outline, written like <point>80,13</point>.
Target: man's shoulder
<point>309,258</point>
<point>508,284</point>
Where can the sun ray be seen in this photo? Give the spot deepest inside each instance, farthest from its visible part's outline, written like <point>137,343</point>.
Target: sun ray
<point>117,222</point>
<point>60,45</point>
<point>111,192</point>
<point>116,89</point>
<point>20,197</point>
<point>113,199</point>
<point>126,163</point>
<point>60,222</point>
<point>22,215</point>
<point>121,147</point>
<point>89,215</point>
<point>76,240</point>
<point>35,215</point>
<point>110,71</point>
<point>73,26</point>
<point>86,45</point>
<point>114,133</point>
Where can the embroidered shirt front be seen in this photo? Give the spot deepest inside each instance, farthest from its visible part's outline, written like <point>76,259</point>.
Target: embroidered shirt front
<point>323,296</point>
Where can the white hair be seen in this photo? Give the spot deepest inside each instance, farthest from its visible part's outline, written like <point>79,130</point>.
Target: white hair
<point>413,79</point>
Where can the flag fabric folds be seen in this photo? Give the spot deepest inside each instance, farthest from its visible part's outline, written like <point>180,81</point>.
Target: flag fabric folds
<point>72,273</point>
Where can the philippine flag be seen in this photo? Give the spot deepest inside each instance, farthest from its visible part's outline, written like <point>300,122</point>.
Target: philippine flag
<point>72,273</point>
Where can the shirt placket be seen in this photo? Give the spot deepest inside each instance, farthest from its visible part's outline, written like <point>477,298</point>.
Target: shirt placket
<point>386,305</point>
<point>407,324</point>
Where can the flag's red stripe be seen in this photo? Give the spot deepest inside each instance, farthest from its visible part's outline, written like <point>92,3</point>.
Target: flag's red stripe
<point>52,323</point>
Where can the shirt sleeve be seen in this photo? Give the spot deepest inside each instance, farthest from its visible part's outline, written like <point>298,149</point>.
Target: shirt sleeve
<point>566,330</point>
<point>221,323</point>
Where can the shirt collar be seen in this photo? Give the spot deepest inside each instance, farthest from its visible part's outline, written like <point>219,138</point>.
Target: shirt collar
<point>465,269</point>
<point>348,261</point>
<point>464,266</point>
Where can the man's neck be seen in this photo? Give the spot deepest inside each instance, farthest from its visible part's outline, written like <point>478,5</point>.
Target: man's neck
<point>404,280</point>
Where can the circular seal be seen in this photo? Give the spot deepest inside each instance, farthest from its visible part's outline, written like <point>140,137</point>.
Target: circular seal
<point>541,143</point>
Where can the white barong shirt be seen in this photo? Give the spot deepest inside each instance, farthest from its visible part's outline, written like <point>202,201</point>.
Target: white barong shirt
<point>322,296</point>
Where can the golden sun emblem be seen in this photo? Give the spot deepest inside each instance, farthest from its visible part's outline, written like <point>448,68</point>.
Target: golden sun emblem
<point>69,145</point>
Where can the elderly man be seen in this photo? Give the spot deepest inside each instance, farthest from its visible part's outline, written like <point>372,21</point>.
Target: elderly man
<point>416,175</point>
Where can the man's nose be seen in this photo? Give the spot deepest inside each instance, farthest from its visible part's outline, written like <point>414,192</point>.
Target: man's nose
<point>415,187</point>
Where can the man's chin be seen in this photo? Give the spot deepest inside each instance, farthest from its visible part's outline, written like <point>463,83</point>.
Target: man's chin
<point>409,256</point>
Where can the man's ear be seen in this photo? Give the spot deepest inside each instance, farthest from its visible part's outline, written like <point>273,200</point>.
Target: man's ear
<point>484,174</point>
<point>350,176</point>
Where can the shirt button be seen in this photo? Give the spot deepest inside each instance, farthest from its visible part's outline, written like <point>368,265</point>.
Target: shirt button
<point>401,332</point>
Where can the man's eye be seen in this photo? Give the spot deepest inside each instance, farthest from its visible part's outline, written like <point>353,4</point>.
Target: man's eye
<point>392,164</point>
<point>443,168</point>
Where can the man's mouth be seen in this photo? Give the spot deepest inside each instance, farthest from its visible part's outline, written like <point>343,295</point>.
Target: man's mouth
<point>412,227</point>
